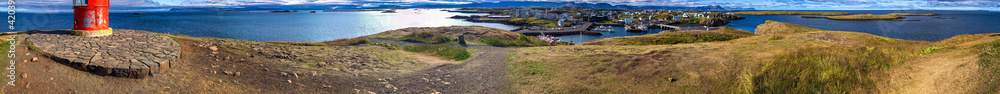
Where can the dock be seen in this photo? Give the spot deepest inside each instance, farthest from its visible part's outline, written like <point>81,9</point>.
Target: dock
<point>664,26</point>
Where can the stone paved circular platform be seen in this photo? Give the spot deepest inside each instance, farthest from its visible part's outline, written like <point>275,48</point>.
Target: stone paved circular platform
<point>126,53</point>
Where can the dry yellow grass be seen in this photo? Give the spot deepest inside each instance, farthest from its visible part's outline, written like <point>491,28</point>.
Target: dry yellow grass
<point>781,58</point>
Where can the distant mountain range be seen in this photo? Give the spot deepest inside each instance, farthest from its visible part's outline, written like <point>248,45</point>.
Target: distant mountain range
<point>504,4</point>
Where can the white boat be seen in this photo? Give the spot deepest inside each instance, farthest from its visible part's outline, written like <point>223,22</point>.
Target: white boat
<point>604,29</point>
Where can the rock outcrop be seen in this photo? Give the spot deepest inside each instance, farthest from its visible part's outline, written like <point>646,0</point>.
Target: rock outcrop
<point>726,16</point>
<point>713,22</point>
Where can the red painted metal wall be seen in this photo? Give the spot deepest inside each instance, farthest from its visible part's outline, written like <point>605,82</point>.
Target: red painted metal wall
<point>92,16</point>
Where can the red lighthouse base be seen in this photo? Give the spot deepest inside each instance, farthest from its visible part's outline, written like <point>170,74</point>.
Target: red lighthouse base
<point>93,33</point>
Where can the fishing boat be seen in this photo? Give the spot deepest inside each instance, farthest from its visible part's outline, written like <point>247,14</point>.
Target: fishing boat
<point>604,29</point>
<point>635,28</point>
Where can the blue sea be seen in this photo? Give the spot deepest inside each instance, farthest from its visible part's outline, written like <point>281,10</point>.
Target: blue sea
<point>303,26</point>
<point>927,28</point>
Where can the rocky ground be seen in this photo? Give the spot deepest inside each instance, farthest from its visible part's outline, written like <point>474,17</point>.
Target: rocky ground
<point>213,65</point>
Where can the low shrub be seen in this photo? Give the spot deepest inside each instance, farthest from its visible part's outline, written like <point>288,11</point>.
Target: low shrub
<point>347,42</point>
<point>443,51</point>
<point>520,41</point>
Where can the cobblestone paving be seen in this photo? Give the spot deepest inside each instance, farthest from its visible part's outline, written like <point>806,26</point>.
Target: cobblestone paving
<point>126,53</point>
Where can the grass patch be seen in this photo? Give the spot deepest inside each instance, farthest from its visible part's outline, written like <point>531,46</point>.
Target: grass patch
<point>692,20</point>
<point>443,51</point>
<point>990,63</point>
<point>347,42</point>
<point>787,13</point>
<point>4,48</point>
<point>931,49</point>
<point>512,40</point>
<point>532,68</point>
<point>427,37</point>
<point>822,70</point>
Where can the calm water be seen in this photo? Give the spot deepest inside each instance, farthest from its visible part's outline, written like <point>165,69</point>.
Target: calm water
<point>324,26</point>
<point>263,26</point>
<point>927,29</point>
<point>619,31</point>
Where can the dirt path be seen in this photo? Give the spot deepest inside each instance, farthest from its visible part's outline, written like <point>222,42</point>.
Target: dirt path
<point>484,74</point>
<point>948,72</point>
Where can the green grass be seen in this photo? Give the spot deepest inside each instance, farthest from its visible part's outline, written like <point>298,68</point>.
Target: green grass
<point>4,47</point>
<point>505,41</point>
<point>663,15</point>
<point>608,22</point>
<point>443,51</point>
<point>675,38</point>
<point>822,70</point>
<point>931,49</point>
<point>427,37</point>
<point>532,68</point>
<point>787,13</point>
<point>692,20</point>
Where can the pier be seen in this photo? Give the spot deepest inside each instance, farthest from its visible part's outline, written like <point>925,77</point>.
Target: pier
<point>664,26</point>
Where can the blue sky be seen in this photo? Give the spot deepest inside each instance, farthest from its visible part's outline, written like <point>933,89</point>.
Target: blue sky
<point>163,5</point>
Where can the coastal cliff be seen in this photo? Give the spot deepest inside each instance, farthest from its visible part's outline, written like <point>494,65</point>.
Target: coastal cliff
<point>713,22</point>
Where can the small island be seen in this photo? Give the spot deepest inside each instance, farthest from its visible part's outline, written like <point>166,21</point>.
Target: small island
<point>908,14</point>
<point>787,13</point>
<point>864,17</point>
